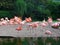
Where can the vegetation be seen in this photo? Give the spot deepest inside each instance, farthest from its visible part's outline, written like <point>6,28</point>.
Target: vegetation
<point>30,41</point>
<point>37,9</point>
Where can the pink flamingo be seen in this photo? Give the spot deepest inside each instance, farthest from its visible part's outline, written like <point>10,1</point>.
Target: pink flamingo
<point>48,32</point>
<point>43,25</point>
<point>58,19</point>
<point>33,25</point>
<point>11,21</point>
<point>19,28</point>
<point>55,25</point>
<point>49,20</point>
<point>28,19</point>
<point>17,19</point>
<point>3,22</point>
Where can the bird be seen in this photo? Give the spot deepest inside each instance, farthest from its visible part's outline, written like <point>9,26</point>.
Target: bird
<point>4,22</point>
<point>22,22</point>
<point>2,19</point>
<point>11,21</point>
<point>44,20</point>
<point>55,25</point>
<point>19,28</point>
<point>58,19</point>
<point>49,20</point>
<point>6,18</point>
<point>48,32</point>
<point>44,24</point>
<point>28,19</point>
<point>17,19</point>
<point>33,25</point>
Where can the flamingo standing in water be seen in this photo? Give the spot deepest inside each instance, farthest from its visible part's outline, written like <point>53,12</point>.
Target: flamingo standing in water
<point>32,27</point>
<point>19,28</point>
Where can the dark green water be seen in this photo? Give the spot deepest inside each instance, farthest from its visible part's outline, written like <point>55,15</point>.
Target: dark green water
<point>30,41</point>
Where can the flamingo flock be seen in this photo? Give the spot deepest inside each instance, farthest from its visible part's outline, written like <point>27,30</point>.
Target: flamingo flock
<point>30,24</point>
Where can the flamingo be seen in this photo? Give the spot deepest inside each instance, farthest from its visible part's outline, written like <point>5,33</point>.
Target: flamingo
<point>49,20</point>
<point>17,19</point>
<point>2,19</point>
<point>28,19</point>
<point>6,18</point>
<point>44,20</point>
<point>55,25</point>
<point>58,19</point>
<point>59,23</point>
<point>11,21</point>
<point>43,25</point>
<point>15,22</point>
<point>3,22</point>
<point>33,25</point>
<point>19,28</point>
<point>22,23</point>
<point>48,32</point>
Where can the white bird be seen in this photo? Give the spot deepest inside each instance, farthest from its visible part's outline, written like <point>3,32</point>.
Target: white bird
<point>6,18</point>
<point>44,20</point>
<point>2,19</point>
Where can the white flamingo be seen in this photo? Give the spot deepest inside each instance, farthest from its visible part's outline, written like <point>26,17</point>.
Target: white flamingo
<point>6,18</point>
